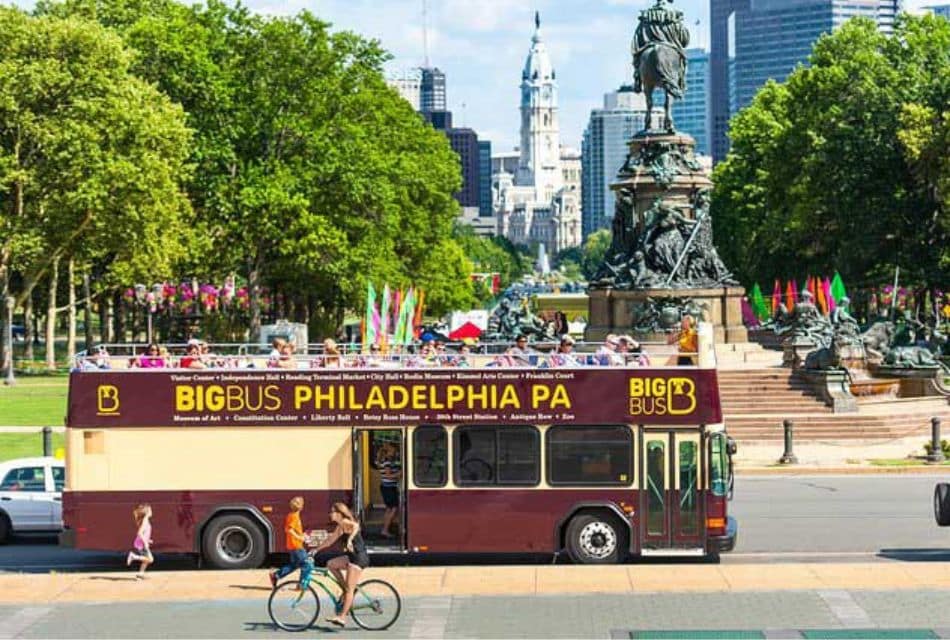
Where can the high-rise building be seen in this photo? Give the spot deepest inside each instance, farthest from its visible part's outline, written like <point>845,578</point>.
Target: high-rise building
<point>532,204</point>
<point>604,150</point>
<point>484,178</point>
<point>408,83</point>
<point>690,113</point>
<point>432,90</point>
<point>941,10</point>
<point>464,142</point>
<point>757,40</point>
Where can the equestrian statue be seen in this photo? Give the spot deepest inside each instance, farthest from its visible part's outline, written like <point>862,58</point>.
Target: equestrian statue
<point>659,57</point>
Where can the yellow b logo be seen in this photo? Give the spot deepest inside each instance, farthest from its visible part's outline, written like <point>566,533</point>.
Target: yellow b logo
<point>107,397</point>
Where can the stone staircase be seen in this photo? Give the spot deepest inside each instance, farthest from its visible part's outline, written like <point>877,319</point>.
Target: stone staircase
<point>756,401</point>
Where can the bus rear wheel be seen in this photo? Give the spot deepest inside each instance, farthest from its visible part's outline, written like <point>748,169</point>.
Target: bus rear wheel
<point>595,538</point>
<point>234,541</point>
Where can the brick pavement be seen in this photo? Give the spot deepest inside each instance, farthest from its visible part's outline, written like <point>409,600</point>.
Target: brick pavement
<point>773,614</point>
<point>170,586</point>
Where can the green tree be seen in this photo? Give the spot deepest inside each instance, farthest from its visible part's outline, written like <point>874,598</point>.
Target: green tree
<point>311,175</point>
<point>491,255</point>
<point>839,167</point>
<point>91,157</point>
<point>594,250</point>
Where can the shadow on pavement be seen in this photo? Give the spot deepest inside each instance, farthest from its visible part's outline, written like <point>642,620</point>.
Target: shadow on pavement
<point>915,555</point>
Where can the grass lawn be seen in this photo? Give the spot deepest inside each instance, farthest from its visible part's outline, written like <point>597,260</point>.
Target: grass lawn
<point>903,462</point>
<point>26,445</point>
<point>35,401</point>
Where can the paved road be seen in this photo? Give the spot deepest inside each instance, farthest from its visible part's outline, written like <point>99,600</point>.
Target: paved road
<point>773,614</point>
<point>781,519</point>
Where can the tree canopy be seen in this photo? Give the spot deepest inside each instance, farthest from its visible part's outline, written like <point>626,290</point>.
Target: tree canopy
<point>844,166</point>
<point>309,175</point>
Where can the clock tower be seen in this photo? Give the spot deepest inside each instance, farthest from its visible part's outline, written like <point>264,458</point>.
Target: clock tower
<point>540,160</point>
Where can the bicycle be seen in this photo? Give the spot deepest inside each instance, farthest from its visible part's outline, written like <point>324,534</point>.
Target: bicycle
<point>294,606</point>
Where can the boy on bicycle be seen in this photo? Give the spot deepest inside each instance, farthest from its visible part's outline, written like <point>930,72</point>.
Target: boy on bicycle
<point>295,541</point>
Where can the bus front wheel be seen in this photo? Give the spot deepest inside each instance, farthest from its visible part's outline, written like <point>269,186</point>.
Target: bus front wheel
<point>234,541</point>
<point>595,538</point>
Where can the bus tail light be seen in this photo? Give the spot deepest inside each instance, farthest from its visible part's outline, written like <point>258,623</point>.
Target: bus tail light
<point>715,523</point>
<point>267,509</point>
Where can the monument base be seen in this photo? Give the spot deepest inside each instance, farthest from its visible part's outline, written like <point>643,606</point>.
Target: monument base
<point>617,311</point>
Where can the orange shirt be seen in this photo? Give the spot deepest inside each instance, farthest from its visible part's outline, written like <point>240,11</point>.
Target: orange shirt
<point>292,523</point>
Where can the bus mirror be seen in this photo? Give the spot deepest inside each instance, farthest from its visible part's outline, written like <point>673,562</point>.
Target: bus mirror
<point>731,447</point>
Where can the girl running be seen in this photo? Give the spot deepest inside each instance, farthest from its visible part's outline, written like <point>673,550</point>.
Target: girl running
<point>142,545</point>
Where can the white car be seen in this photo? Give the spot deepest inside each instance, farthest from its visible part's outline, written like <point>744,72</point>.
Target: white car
<point>31,496</point>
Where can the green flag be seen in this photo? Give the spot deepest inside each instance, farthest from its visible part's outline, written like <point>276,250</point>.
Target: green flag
<point>369,336</point>
<point>837,288</point>
<point>758,303</point>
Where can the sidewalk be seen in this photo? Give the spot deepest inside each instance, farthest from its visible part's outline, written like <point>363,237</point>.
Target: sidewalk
<point>835,457</point>
<point>175,586</point>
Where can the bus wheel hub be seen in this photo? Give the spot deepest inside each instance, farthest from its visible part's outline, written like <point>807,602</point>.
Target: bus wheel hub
<point>598,540</point>
<point>235,544</point>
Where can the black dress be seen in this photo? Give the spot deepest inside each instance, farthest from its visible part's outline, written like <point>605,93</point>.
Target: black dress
<point>358,555</point>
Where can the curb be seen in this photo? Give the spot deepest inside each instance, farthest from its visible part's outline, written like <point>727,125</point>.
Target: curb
<point>838,471</point>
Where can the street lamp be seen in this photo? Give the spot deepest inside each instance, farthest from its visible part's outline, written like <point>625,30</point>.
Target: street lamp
<point>11,303</point>
<point>148,301</point>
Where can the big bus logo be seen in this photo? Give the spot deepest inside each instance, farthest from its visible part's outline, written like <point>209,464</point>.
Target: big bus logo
<point>107,399</point>
<point>662,396</point>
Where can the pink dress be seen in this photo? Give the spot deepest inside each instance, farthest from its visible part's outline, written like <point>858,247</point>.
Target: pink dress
<point>141,539</point>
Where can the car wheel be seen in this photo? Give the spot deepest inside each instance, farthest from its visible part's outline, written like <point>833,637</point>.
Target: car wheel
<point>595,539</point>
<point>5,528</point>
<point>234,541</point>
<point>942,504</point>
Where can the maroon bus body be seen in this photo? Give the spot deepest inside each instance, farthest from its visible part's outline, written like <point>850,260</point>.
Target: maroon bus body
<point>437,520</point>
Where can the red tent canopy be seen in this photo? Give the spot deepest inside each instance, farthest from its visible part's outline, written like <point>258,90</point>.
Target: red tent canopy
<point>467,330</point>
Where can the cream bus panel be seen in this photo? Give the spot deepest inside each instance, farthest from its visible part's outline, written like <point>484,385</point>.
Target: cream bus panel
<point>199,459</point>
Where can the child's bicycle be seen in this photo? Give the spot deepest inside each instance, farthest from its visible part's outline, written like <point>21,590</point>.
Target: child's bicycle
<point>294,606</point>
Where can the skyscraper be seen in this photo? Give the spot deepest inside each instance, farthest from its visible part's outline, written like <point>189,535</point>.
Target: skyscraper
<point>408,83</point>
<point>690,113</point>
<point>432,90</point>
<point>757,40</point>
<point>604,150</point>
<point>484,178</point>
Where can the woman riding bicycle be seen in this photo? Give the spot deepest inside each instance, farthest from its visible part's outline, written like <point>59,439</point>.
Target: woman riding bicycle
<point>347,568</point>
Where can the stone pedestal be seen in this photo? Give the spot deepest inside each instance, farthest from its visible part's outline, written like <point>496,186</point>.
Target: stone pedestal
<point>615,311</point>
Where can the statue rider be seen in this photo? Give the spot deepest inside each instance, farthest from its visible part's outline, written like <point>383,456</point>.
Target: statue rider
<point>664,25</point>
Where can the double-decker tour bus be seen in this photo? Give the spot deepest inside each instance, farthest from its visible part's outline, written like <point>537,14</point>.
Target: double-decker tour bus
<point>602,463</point>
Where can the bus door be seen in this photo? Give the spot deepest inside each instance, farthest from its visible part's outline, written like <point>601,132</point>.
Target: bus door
<point>671,508</point>
<point>370,447</point>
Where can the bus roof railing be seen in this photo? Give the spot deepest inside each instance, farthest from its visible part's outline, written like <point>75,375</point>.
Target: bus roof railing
<point>132,357</point>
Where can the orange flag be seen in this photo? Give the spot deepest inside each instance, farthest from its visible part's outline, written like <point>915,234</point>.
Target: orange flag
<point>789,297</point>
<point>820,298</point>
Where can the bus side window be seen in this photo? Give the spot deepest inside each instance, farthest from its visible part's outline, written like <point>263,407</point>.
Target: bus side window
<point>430,456</point>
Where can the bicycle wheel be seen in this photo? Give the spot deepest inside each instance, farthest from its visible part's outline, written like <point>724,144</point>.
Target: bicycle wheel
<point>376,605</point>
<point>292,608</point>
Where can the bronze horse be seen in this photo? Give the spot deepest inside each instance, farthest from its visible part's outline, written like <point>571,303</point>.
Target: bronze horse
<point>659,58</point>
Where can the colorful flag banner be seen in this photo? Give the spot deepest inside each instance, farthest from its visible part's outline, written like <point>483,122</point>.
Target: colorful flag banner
<point>371,317</point>
<point>776,297</point>
<point>757,301</point>
<point>789,296</point>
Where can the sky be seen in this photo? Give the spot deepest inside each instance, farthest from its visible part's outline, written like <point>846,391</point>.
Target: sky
<point>481,45</point>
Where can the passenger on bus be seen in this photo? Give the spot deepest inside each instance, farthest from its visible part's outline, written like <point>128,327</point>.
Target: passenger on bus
<point>520,355</point>
<point>287,360</point>
<point>295,540</point>
<point>632,352</point>
<point>152,358</point>
<point>564,355</point>
<point>277,345</point>
<point>347,568</point>
<point>390,469</point>
<point>687,341</point>
<point>607,355</point>
<point>192,357</point>
<point>332,359</point>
